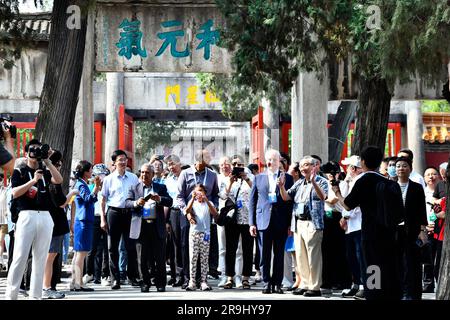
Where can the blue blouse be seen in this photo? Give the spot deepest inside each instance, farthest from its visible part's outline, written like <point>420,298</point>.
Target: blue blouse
<point>85,202</point>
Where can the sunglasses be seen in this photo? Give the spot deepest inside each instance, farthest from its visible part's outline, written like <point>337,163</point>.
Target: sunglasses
<point>234,164</point>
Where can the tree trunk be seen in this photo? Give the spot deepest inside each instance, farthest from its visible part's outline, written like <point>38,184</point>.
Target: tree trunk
<point>337,133</point>
<point>443,285</point>
<point>372,114</point>
<point>55,123</point>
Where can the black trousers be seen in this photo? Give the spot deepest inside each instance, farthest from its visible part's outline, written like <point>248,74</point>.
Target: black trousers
<point>431,262</point>
<point>97,260</point>
<point>272,238</point>
<point>257,258</point>
<point>175,234</point>
<point>409,265</point>
<point>335,271</point>
<point>381,253</point>
<point>119,225</point>
<point>232,233</point>
<point>170,255</point>
<point>184,242</point>
<point>213,249</point>
<point>149,247</point>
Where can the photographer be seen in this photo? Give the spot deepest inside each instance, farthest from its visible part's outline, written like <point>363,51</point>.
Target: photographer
<point>238,189</point>
<point>30,190</point>
<point>7,158</point>
<point>309,195</point>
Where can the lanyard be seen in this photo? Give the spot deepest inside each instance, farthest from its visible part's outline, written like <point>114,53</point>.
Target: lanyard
<point>204,179</point>
<point>31,178</point>
<point>272,181</point>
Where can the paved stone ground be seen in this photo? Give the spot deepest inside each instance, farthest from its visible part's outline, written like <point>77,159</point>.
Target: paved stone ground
<point>128,292</point>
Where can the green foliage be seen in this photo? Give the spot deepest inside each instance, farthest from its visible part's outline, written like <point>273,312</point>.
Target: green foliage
<point>150,134</point>
<point>435,106</point>
<point>241,102</point>
<point>15,36</point>
<point>275,39</point>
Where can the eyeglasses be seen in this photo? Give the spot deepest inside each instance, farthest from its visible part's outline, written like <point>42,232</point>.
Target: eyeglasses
<point>122,160</point>
<point>234,164</point>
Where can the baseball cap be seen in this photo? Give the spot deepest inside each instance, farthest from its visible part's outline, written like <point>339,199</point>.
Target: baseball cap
<point>352,161</point>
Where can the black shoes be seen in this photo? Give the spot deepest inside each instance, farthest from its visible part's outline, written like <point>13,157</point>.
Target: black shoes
<point>145,288</point>
<point>115,285</point>
<point>172,281</point>
<point>179,283</point>
<point>350,294</point>
<point>277,289</point>
<point>299,291</point>
<point>161,289</point>
<point>312,293</point>
<point>293,288</point>
<point>185,285</point>
<point>134,283</point>
<point>360,295</point>
<point>266,289</point>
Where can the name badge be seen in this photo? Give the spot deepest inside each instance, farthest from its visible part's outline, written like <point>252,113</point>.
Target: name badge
<point>206,236</point>
<point>239,204</point>
<point>272,197</point>
<point>149,210</point>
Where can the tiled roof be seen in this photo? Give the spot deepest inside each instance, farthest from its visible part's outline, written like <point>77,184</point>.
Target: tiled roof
<point>436,127</point>
<point>34,26</point>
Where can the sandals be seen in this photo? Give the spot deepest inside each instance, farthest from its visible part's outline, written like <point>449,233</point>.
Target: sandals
<point>229,284</point>
<point>245,284</point>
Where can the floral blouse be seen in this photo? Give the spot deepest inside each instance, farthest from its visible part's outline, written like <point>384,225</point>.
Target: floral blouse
<point>244,197</point>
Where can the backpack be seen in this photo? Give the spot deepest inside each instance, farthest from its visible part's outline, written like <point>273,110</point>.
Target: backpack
<point>390,209</point>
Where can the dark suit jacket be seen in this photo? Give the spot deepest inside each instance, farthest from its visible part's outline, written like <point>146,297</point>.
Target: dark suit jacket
<point>260,209</point>
<point>415,210</point>
<point>137,192</point>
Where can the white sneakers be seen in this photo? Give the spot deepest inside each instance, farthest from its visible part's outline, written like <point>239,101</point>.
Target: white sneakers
<point>223,280</point>
<point>106,281</point>
<point>87,278</point>
<point>238,281</point>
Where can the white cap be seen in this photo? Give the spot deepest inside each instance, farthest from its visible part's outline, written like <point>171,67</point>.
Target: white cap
<point>443,165</point>
<point>352,161</point>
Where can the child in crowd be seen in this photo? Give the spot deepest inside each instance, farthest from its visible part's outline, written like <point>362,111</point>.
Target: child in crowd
<point>199,211</point>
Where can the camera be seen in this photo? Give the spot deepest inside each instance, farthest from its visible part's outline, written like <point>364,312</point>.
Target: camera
<point>12,128</point>
<point>237,171</point>
<point>39,153</point>
<point>332,168</point>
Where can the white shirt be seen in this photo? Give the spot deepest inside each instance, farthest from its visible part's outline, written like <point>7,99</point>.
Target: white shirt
<point>355,216</point>
<point>429,198</point>
<point>115,188</point>
<point>172,188</point>
<point>272,180</point>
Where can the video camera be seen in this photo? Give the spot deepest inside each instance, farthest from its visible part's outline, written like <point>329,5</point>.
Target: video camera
<point>12,128</point>
<point>332,168</point>
<point>39,153</point>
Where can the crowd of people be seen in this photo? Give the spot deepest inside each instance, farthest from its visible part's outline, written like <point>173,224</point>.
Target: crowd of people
<point>373,230</point>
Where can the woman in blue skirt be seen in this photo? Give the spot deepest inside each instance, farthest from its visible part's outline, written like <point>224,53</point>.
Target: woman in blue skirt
<point>83,222</point>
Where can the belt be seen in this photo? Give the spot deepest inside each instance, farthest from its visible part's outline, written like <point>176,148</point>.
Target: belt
<point>304,218</point>
<point>34,211</point>
<point>125,210</point>
<point>149,220</point>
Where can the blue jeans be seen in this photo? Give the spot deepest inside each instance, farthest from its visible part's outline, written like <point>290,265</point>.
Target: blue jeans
<point>123,257</point>
<point>355,257</point>
<point>66,242</point>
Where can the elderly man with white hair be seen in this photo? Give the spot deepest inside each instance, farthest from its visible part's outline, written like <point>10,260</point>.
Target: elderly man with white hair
<point>270,215</point>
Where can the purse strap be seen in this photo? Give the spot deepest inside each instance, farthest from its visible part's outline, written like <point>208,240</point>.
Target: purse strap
<point>237,193</point>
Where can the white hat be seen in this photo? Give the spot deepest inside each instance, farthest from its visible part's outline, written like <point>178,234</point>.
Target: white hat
<point>443,165</point>
<point>352,161</point>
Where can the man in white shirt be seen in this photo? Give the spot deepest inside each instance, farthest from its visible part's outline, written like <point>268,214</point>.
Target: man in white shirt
<point>117,220</point>
<point>351,223</point>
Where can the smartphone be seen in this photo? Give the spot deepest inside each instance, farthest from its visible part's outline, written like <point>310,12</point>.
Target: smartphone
<point>147,197</point>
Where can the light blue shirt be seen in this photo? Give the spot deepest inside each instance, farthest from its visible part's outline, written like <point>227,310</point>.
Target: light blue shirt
<point>172,188</point>
<point>115,188</point>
